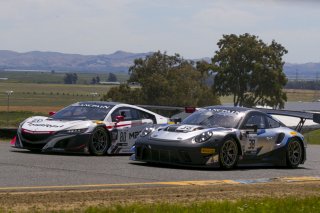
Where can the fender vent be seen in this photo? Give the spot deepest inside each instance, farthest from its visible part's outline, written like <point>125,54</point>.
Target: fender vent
<point>280,138</point>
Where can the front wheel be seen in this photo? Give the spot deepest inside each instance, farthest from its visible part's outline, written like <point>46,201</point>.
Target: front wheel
<point>98,144</point>
<point>294,153</point>
<point>228,155</point>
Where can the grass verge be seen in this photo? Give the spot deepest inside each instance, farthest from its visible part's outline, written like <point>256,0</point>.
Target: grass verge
<point>278,196</point>
<point>313,137</point>
<point>270,205</point>
<point>14,118</point>
<point>290,204</point>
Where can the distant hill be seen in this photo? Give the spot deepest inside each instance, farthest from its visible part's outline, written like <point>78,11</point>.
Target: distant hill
<point>302,71</point>
<point>119,61</point>
<point>47,61</point>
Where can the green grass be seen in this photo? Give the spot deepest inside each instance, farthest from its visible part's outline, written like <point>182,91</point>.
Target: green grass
<point>311,204</point>
<point>313,137</point>
<point>267,205</point>
<point>26,94</point>
<point>13,119</point>
<point>55,78</point>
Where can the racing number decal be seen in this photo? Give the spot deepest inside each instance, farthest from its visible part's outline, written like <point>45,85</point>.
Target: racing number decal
<point>252,143</point>
<point>123,136</point>
<point>132,135</point>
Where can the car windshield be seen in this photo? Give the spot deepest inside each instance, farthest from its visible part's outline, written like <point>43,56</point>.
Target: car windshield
<point>96,112</point>
<point>212,118</point>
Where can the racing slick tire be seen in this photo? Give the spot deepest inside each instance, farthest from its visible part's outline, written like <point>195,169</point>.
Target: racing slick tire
<point>294,153</point>
<point>99,144</point>
<point>229,154</point>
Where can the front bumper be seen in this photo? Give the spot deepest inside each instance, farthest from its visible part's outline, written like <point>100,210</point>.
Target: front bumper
<point>56,143</point>
<point>175,153</point>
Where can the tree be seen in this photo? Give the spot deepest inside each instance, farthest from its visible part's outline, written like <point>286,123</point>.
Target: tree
<point>250,70</point>
<point>97,79</point>
<point>93,80</point>
<point>70,78</point>
<point>123,93</point>
<point>165,80</point>
<point>112,77</point>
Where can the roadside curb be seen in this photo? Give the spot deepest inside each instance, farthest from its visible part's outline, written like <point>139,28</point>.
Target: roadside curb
<point>8,132</point>
<point>161,184</point>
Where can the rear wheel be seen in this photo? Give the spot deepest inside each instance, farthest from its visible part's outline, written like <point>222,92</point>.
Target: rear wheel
<point>99,143</point>
<point>228,155</point>
<point>294,153</point>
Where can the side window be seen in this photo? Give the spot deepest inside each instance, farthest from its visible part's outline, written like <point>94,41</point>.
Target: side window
<point>272,123</point>
<point>258,120</point>
<point>129,114</point>
<point>145,115</point>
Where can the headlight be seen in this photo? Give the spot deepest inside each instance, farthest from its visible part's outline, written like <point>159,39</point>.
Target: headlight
<point>146,131</point>
<point>74,131</point>
<point>203,137</point>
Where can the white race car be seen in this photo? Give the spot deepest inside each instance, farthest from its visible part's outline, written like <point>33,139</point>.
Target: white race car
<point>97,128</point>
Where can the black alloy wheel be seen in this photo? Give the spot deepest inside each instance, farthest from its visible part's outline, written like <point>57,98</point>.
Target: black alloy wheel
<point>99,141</point>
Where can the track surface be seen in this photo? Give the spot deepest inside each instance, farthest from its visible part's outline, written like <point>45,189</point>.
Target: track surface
<point>23,168</point>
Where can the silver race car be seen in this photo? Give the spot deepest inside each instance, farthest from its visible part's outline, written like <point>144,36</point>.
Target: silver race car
<point>222,136</point>
<point>90,127</point>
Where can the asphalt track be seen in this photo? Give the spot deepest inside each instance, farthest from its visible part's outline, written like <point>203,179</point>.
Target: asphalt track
<point>20,168</point>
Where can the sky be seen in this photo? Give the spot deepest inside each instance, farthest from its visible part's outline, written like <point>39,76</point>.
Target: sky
<point>191,28</point>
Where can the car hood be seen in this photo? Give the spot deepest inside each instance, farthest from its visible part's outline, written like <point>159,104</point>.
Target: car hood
<point>184,132</point>
<point>44,124</point>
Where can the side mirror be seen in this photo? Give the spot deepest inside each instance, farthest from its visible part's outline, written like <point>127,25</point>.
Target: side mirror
<point>51,113</point>
<point>119,118</point>
<point>251,127</point>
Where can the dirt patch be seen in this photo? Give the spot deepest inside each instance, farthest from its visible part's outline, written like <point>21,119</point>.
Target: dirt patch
<point>77,200</point>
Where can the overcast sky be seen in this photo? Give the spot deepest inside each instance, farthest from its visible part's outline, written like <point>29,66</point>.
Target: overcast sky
<point>191,28</point>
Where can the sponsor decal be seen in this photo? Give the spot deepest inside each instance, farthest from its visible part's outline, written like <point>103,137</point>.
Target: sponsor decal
<point>37,120</point>
<point>133,135</point>
<point>95,106</point>
<point>44,125</point>
<point>261,131</point>
<point>224,111</point>
<point>186,128</point>
<point>293,133</point>
<point>124,136</point>
<point>207,151</point>
<point>99,122</point>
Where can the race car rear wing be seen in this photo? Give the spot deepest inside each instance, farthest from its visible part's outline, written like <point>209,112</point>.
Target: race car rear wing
<point>179,112</point>
<point>315,117</point>
<point>162,107</point>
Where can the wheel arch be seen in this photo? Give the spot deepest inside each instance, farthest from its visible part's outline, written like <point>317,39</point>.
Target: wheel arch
<point>233,136</point>
<point>301,144</point>
<point>108,134</point>
<point>107,131</point>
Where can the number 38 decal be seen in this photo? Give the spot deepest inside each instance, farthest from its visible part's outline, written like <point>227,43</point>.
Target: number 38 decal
<point>252,143</point>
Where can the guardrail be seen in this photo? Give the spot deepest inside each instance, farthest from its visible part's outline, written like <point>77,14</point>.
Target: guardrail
<point>8,132</point>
